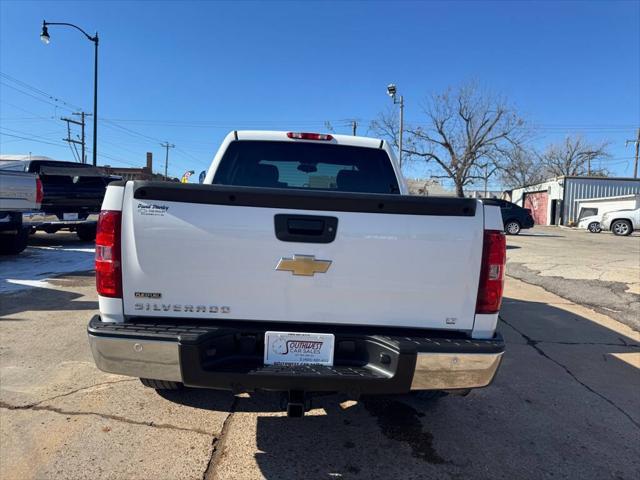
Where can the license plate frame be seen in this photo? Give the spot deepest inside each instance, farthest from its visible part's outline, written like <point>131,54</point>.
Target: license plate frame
<point>298,348</point>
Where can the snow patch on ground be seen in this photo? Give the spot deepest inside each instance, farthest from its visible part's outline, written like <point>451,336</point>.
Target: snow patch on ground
<point>38,263</point>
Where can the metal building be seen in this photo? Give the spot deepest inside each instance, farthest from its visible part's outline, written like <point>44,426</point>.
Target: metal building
<point>554,201</point>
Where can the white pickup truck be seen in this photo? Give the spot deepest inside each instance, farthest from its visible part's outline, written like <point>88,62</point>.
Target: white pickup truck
<point>300,265</point>
<point>19,192</point>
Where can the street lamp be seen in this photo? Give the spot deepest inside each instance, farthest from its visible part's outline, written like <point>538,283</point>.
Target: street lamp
<point>44,36</point>
<point>392,92</point>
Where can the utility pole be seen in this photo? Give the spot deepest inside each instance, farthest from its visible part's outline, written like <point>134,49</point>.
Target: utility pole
<point>354,127</point>
<point>166,145</point>
<point>637,142</point>
<point>82,141</point>
<point>401,129</point>
<point>392,91</point>
<point>70,140</point>
<point>82,136</point>
<point>486,179</point>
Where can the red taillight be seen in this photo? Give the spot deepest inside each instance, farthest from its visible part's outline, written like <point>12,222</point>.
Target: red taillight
<point>39,191</point>
<point>494,256</point>
<point>108,270</point>
<point>309,136</point>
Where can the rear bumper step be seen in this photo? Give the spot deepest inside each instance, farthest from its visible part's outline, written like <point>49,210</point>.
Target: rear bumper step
<point>231,358</point>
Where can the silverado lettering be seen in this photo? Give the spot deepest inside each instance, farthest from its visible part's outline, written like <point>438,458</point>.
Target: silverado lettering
<point>163,307</point>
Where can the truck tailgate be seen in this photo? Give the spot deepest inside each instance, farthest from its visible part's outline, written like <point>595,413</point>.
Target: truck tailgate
<point>193,255</point>
<point>17,191</point>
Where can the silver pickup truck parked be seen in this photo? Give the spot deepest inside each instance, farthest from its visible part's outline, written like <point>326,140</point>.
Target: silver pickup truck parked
<point>19,192</point>
<point>300,265</point>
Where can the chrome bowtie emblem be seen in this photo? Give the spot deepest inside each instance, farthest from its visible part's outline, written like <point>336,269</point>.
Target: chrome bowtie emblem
<point>304,265</point>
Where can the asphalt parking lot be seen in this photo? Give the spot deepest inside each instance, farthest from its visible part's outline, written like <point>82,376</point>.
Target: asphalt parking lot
<point>565,403</point>
<point>601,270</point>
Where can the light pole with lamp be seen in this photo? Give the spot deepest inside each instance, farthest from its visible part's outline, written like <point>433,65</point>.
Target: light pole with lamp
<point>44,36</point>
<point>392,92</point>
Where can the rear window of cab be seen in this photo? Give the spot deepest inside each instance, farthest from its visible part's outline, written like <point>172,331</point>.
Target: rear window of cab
<point>306,165</point>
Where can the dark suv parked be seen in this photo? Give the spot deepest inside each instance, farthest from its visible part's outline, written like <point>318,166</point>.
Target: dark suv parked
<point>514,218</point>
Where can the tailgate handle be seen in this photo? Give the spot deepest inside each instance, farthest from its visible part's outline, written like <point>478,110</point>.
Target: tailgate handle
<point>305,228</point>
<point>302,226</point>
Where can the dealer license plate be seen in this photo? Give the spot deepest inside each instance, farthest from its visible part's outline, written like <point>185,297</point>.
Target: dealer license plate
<point>291,348</point>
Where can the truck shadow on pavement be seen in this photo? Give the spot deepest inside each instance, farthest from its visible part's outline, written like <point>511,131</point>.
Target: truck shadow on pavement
<point>48,299</point>
<point>565,403</point>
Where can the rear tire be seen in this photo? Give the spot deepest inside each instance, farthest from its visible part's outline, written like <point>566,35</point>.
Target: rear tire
<point>512,227</point>
<point>594,227</point>
<point>621,228</point>
<point>14,244</point>
<point>161,384</point>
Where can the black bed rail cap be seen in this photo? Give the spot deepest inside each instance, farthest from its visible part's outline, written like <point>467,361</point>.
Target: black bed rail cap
<point>303,199</point>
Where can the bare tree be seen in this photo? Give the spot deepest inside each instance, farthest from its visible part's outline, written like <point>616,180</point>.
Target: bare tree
<point>520,167</point>
<point>466,129</point>
<point>574,156</point>
<point>387,127</point>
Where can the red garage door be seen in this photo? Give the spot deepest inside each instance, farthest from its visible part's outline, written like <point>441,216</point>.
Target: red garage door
<point>537,202</point>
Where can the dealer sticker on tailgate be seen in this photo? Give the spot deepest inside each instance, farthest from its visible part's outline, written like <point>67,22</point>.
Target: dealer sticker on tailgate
<point>290,348</point>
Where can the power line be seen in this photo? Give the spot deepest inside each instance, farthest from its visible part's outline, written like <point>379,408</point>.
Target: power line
<point>31,139</point>
<point>22,132</point>
<point>45,136</point>
<point>114,158</point>
<point>112,124</point>
<point>57,102</point>
<point>27,111</point>
<point>199,160</point>
<point>224,122</point>
<point>39,91</point>
<point>33,96</point>
<point>119,145</point>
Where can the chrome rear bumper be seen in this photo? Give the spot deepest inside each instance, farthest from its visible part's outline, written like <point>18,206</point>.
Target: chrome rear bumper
<point>447,371</point>
<point>159,360</point>
<point>37,219</point>
<point>392,365</point>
